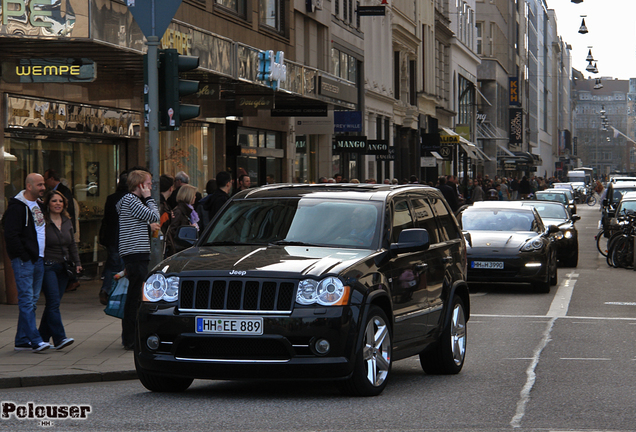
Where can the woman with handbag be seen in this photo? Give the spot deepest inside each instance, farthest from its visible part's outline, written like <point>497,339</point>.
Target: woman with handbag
<point>61,261</point>
<point>184,215</point>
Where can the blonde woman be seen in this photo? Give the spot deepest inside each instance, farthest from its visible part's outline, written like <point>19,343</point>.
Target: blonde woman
<point>184,215</point>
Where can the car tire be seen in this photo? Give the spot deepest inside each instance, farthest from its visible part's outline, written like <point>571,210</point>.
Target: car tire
<point>447,355</point>
<point>573,260</point>
<point>161,384</point>
<point>373,360</point>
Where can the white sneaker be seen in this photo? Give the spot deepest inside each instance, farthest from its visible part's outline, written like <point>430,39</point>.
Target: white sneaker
<point>41,347</point>
<point>66,342</point>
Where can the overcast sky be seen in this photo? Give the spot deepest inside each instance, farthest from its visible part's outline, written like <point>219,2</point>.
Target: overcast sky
<point>612,35</point>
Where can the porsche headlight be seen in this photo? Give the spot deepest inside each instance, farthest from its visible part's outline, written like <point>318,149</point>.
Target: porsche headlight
<point>158,287</point>
<point>536,244</point>
<point>327,292</point>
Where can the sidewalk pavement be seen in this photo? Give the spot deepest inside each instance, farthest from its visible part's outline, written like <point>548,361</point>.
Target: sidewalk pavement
<point>96,354</point>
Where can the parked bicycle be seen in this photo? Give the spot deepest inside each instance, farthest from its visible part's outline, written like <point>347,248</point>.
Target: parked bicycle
<point>620,246</point>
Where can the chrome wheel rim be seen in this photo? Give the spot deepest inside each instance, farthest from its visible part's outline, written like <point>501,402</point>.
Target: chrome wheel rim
<point>377,351</point>
<point>458,335</point>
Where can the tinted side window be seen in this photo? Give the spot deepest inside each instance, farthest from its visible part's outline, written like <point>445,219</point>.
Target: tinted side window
<point>425,218</point>
<point>446,221</point>
<point>402,219</point>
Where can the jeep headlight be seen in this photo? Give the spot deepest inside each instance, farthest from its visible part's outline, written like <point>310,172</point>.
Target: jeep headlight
<point>533,245</point>
<point>329,291</point>
<point>158,287</point>
<point>568,234</point>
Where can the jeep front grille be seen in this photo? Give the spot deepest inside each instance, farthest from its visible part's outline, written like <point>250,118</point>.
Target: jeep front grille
<point>236,295</point>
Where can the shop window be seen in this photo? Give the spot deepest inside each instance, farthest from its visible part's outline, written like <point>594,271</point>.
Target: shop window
<point>344,65</point>
<point>186,150</point>
<point>89,168</point>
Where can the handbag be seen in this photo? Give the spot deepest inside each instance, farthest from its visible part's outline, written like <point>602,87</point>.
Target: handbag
<point>117,299</point>
<point>69,265</point>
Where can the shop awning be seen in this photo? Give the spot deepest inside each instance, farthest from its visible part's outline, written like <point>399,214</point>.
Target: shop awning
<point>471,149</point>
<point>436,155</point>
<point>486,131</point>
<point>482,96</point>
<point>505,150</point>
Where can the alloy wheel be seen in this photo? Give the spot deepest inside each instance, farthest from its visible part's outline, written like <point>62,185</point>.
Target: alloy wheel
<point>377,351</point>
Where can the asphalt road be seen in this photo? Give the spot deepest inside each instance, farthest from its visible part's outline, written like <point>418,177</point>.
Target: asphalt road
<point>562,361</point>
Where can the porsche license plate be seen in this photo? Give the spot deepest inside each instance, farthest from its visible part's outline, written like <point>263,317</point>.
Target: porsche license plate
<point>487,265</point>
<point>230,325</point>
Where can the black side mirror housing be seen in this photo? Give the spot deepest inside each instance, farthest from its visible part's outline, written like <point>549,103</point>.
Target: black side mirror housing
<point>411,240</point>
<point>552,229</point>
<point>576,217</point>
<point>187,236</point>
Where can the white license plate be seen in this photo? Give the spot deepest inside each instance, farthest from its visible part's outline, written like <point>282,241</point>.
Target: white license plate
<point>487,265</point>
<point>229,325</point>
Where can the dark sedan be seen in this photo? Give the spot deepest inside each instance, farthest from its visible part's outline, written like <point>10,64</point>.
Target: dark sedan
<point>567,240</point>
<point>557,195</point>
<point>509,243</point>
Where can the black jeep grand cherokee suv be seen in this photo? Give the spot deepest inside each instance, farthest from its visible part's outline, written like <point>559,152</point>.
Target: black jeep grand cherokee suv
<point>310,282</point>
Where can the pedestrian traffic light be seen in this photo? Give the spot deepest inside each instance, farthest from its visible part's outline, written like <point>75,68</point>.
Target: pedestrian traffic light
<point>171,112</point>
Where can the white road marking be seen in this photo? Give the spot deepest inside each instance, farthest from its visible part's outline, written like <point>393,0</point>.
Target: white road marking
<point>593,359</point>
<point>621,303</point>
<point>531,376</point>
<point>564,317</point>
<point>561,301</point>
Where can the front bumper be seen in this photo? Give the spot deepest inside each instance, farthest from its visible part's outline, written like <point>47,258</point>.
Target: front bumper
<point>530,267</point>
<point>284,350</point>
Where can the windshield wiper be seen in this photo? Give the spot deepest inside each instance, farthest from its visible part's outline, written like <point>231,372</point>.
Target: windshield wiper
<point>223,243</point>
<point>292,243</point>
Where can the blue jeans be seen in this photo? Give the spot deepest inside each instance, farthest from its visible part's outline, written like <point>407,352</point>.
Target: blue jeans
<point>114,264</point>
<point>28,280</point>
<point>53,286</point>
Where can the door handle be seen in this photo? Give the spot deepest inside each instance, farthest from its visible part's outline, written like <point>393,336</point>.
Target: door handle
<point>421,267</point>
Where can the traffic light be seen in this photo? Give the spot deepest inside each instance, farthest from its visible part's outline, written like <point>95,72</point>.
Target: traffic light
<point>171,88</point>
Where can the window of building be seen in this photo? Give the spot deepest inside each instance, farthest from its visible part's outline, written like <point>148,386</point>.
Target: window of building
<point>480,29</point>
<point>344,65</point>
<point>396,75</point>
<point>272,14</point>
<point>238,6</point>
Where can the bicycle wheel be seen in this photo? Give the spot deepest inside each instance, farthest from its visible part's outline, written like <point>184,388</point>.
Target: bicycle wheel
<point>601,243</point>
<point>623,252</point>
<point>611,245</point>
<point>591,201</point>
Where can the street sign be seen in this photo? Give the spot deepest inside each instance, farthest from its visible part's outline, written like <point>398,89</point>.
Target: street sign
<point>371,10</point>
<point>446,151</point>
<point>146,12</point>
<point>449,139</point>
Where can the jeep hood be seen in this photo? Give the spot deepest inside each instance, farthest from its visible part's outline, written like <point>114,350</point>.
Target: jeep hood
<point>262,261</point>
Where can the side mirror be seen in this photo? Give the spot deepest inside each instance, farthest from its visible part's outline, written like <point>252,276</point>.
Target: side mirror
<point>575,217</point>
<point>411,240</point>
<point>552,229</point>
<point>187,236</point>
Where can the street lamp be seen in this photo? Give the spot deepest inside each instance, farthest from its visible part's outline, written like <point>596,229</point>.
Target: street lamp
<point>583,28</point>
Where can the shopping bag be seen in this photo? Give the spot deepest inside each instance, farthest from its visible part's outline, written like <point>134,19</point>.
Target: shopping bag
<point>117,299</point>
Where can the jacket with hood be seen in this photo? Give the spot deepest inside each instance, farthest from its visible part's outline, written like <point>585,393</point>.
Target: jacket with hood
<point>19,230</point>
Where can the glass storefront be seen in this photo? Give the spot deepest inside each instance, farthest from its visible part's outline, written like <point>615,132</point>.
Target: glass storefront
<point>260,155</point>
<point>187,150</point>
<point>88,167</point>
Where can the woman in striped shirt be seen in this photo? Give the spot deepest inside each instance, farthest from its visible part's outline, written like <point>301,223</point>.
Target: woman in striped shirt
<point>138,215</point>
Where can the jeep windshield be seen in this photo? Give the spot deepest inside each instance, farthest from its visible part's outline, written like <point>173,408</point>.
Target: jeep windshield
<point>298,222</point>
